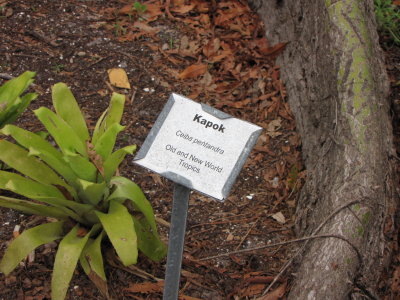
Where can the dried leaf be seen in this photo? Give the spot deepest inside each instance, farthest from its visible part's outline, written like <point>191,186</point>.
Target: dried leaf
<point>184,42</point>
<point>183,9</point>
<point>279,217</point>
<point>212,47</point>
<point>274,50</point>
<point>119,78</point>
<point>145,28</point>
<point>184,297</point>
<point>193,71</point>
<point>100,283</point>
<point>16,231</point>
<point>273,126</point>
<point>240,104</point>
<point>230,237</point>
<point>146,287</point>
<point>252,290</point>
<point>275,294</point>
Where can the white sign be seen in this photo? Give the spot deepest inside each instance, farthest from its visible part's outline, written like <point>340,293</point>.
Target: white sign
<point>198,146</point>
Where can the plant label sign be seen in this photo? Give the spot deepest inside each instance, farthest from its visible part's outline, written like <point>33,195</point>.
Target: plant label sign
<point>198,146</point>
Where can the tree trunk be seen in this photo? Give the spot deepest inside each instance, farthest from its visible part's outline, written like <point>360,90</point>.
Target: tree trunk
<point>337,88</point>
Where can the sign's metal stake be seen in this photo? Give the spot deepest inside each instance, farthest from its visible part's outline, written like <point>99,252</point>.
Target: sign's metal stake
<point>176,241</point>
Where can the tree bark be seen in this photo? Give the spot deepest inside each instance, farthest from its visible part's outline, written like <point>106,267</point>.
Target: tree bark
<point>337,87</point>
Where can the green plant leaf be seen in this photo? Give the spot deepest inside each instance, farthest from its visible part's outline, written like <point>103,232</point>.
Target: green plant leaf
<point>27,187</point>
<point>81,167</point>
<point>65,137</point>
<point>20,160</point>
<point>119,227</point>
<point>92,263</point>
<point>16,86</point>
<point>67,108</point>
<point>18,108</point>
<point>31,208</point>
<point>113,161</point>
<point>127,189</point>
<point>67,257</point>
<point>105,144</point>
<point>11,104</point>
<point>38,146</point>
<point>112,115</point>
<point>26,139</point>
<point>28,241</point>
<point>91,192</point>
<point>42,192</point>
<point>148,242</point>
<point>91,258</point>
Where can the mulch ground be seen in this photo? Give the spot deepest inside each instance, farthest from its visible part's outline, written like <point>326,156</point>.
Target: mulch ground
<point>213,52</point>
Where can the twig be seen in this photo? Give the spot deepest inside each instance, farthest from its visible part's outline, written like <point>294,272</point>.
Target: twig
<point>113,261</point>
<point>223,220</point>
<point>247,233</point>
<point>303,239</point>
<point>305,244</point>
<point>42,37</point>
<point>167,4</point>
<point>163,222</point>
<point>134,90</point>
<point>6,76</point>
<point>97,61</point>
<point>283,270</point>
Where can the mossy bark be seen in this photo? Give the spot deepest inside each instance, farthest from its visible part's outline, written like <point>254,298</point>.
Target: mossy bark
<point>337,88</point>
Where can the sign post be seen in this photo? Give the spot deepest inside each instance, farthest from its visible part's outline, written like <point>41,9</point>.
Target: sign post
<point>199,148</point>
<point>176,241</point>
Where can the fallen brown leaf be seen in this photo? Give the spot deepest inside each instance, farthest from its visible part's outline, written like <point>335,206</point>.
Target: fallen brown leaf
<point>274,50</point>
<point>146,287</point>
<point>183,9</point>
<point>145,28</point>
<point>119,78</point>
<point>275,294</point>
<point>193,71</point>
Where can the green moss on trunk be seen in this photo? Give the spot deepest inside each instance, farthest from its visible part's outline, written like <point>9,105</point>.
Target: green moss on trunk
<point>354,78</point>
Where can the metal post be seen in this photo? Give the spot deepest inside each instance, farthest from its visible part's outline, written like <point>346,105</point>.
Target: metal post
<point>176,241</point>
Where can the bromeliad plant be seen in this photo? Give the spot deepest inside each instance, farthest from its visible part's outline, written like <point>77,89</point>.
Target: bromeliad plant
<point>12,104</point>
<point>76,184</point>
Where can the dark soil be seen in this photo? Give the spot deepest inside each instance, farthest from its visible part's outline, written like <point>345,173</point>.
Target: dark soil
<point>76,42</point>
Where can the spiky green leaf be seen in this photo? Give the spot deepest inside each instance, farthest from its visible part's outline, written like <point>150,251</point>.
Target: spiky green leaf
<point>148,242</point>
<point>105,144</point>
<point>20,160</point>
<point>38,146</point>
<point>112,162</point>
<point>91,258</point>
<point>27,187</point>
<point>119,227</point>
<point>126,189</point>
<point>18,108</point>
<point>28,241</point>
<point>92,192</point>
<point>92,263</point>
<point>16,86</point>
<point>81,166</point>
<point>111,116</point>
<point>67,257</point>
<point>67,108</point>
<point>65,137</point>
<point>33,208</point>
<point>10,100</point>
